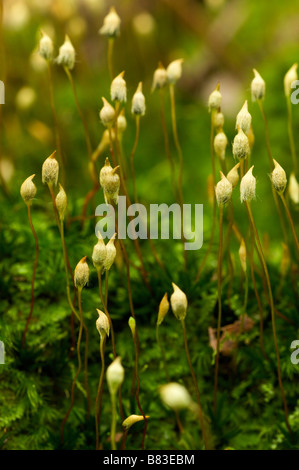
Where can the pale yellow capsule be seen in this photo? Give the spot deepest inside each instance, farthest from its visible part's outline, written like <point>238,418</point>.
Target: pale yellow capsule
<point>233,175</point>
<point>163,309</point>
<point>50,170</point>
<point>111,25</point>
<point>28,190</point>
<point>81,274</point>
<point>61,202</point>
<point>138,102</point>
<point>115,375</point>
<point>258,87</point>
<point>107,114</point>
<point>102,324</point>
<point>111,253</point>
<point>290,77</point>
<point>223,190</point>
<point>67,54</point>
<point>247,186</point>
<point>118,89</point>
<point>179,302</point>
<point>279,178</point>
<point>175,396</point>
<point>132,419</point>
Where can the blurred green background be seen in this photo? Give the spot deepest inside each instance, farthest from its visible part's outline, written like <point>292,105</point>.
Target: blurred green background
<point>220,41</point>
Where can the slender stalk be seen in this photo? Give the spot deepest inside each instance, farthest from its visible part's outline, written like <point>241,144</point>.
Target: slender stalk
<point>178,421</point>
<point>106,288</point>
<point>136,348</point>
<point>132,158</point>
<point>110,57</point>
<point>201,418</point>
<point>135,241</point>
<point>181,162</point>
<point>113,422</point>
<point>260,249</point>
<point>85,355</point>
<point>228,241</point>
<point>220,256</point>
<point>123,249</point>
<point>89,196</point>
<point>123,180</point>
<point>71,303</point>
<point>166,141</point>
<point>202,265</point>
<point>99,396</point>
<point>124,439</point>
<point>267,136</point>
<point>104,303</point>
<point>291,134</point>
<point>66,259</point>
<point>290,220</point>
<point>33,275</point>
<point>162,353</point>
<point>261,313</point>
<point>87,138</point>
<point>55,119</point>
<point>111,147</point>
<point>245,300</point>
<point>131,307</point>
<point>78,369</point>
<point>177,143</point>
<point>50,186</point>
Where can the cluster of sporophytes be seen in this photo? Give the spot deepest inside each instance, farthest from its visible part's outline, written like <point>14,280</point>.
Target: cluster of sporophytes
<point>180,393</point>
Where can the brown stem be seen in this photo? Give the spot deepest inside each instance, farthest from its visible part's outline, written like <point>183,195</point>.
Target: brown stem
<point>177,417</point>
<point>290,220</point>
<point>252,223</point>
<point>106,288</point>
<point>136,348</point>
<point>85,355</point>
<point>98,404</point>
<point>110,57</point>
<point>267,135</point>
<point>106,312</point>
<point>33,276</point>
<point>166,142</point>
<point>77,372</point>
<point>227,247</point>
<point>56,124</point>
<point>201,418</point>
<point>135,241</point>
<point>132,158</point>
<point>105,303</point>
<point>202,265</point>
<point>261,336</point>
<point>71,304</point>
<point>181,162</point>
<point>219,276</point>
<point>67,261</point>
<point>89,196</point>
<point>87,138</point>
<point>291,134</point>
